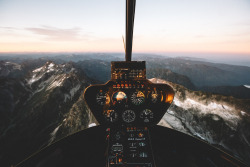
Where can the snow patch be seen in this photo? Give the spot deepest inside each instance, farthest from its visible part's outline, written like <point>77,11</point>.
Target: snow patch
<point>71,93</point>
<point>177,102</point>
<point>74,90</point>
<point>244,113</point>
<point>215,118</point>
<point>164,124</point>
<point>56,81</point>
<point>174,122</point>
<point>55,84</point>
<point>247,86</point>
<point>38,69</point>
<point>92,125</point>
<point>198,135</point>
<point>170,112</point>
<point>51,65</point>
<point>53,134</point>
<point>223,111</point>
<point>66,97</point>
<point>34,79</point>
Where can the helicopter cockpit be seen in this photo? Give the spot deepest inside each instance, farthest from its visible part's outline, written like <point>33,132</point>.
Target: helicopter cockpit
<point>129,104</point>
<point>128,108</point>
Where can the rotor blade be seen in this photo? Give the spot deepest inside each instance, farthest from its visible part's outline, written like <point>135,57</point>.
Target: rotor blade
<point>130,15</point>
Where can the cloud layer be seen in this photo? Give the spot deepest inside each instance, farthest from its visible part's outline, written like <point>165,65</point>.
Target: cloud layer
<point>59,34</point>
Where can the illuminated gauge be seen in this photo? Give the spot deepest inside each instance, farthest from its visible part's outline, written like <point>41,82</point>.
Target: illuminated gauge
<point>155,96</point>
<point>119,98</point>
<point>110,115</point>
<point>147,115</point>
<point>102,98</point>
<point>137,98</point>
<point>128,116</point>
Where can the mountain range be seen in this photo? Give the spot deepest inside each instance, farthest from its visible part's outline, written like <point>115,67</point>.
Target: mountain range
<point>41,102</point>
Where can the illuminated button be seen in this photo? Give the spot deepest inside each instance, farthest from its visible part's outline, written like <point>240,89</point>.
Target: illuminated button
<point>140,135</point>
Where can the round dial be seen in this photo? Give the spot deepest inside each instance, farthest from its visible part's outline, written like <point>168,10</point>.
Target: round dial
<point>102,98</point>
<point>155,96</point>
<point>119,98</point>
<point>137,98</point>
<point>110,115</point>
<point>147,115</point>
<point>128,116</point>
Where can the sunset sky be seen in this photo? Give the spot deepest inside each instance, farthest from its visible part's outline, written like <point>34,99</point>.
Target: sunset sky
<point>218,26</point>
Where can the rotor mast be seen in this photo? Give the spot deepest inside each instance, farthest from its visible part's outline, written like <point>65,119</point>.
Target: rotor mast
<point>130,15</point>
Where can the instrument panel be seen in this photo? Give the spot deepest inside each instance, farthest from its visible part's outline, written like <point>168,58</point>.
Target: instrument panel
<point>129,102</point>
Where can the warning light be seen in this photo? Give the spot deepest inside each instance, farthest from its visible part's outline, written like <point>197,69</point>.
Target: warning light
<point>169,98</point>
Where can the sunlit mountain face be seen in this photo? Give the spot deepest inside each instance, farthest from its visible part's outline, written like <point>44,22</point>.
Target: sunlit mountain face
<point>41,101</point>
<point>220,120</point>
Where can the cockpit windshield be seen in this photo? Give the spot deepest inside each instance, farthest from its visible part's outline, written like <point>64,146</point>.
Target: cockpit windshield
<point>51,51</point>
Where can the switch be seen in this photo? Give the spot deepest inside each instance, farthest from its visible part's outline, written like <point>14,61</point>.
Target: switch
<point>132,144</point>
<point>143,155</point>
<point>131,135</point>
<point>142,144</point>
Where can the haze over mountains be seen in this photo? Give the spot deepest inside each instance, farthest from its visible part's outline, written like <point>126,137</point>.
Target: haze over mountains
<point>41,100</point>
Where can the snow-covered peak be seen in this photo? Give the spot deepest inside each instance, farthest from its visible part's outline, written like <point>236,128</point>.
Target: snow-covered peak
<point>7,68</point>
<point>51,71</point>
<point>202,105</point>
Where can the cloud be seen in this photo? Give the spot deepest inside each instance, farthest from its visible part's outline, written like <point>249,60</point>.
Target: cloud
<point>8,28</point>
<point>59,34</point>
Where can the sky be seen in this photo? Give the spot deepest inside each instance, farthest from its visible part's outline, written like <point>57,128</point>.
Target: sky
<point>161,26</point>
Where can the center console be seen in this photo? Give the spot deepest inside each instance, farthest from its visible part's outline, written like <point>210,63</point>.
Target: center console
<point>129,146</point>
<point>128,104</point>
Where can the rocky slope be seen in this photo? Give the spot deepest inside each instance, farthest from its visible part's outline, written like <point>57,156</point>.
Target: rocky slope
<point>204,74</point>
<point>170,76</point>
<point>42,107</point>
<point>220,120</point>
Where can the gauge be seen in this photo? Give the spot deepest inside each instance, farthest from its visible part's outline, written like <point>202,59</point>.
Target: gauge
<point>119,98</point>
<point>137,98</point>
<point>147,115</point>
<point>128,116</point>
<point>102,98</point>
<point>110,115</point>
<point>155,96</point>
